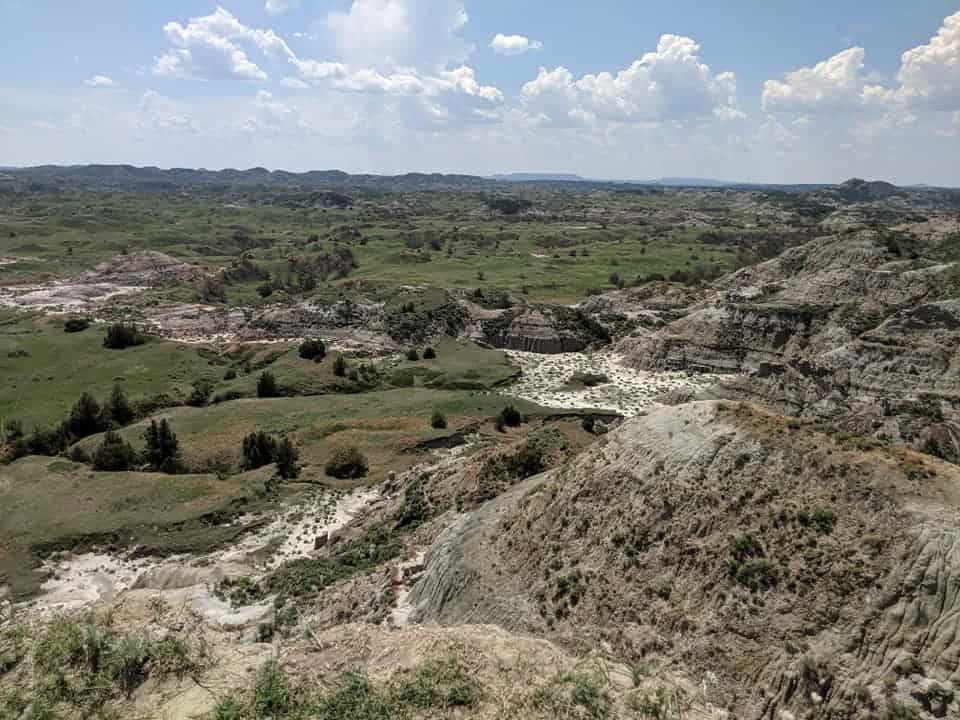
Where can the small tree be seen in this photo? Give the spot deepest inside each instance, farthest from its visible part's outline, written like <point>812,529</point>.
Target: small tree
<point>162,447</point>
<point>429,354</point>
<point>201,392</point>
<point>118,409</point>
<point>313,350</point>
<point>267,386</point>
<point>259,449</point>
<point>120,336</point>
<point>413,355</point>
<point>340,366</point>
<point>86,417</point>
<point>287,456</point>
<point>347,463</point>
<point>438,421</point>
<point>510,416</point>
<point>114,454</point>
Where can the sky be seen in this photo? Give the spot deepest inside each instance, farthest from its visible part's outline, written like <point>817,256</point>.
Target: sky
<point>746,90</point>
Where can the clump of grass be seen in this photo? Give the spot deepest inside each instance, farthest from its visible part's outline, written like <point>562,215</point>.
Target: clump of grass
<point>579,695</point>
<point>82,664</point>
<point>436,686</point>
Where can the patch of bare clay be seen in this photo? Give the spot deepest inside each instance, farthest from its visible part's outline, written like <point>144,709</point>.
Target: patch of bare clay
<point>626,390</point>
<point>62,296</point>
<point>79,581</point>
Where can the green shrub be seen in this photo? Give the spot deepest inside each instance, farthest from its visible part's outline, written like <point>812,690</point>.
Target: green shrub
<point>758,574</point>
<point>287,456</point>
<point>82,663</point>
<point>267,386</point>
<point>114,454</point>
<point>347,463</point>
<point>438,420</point>
<point>429,354</point>
<point>120,336</point>
<point>162,451</point>
<point>340,366</point>
<point>313,350</point>
<point>413,355</point>
<point>74,325</point>
<point>118,408</point>
<point>272,695</point>
<point>510,416</point>
<point>258,450</point>
<point>200,393</point>
<point>86,417</point>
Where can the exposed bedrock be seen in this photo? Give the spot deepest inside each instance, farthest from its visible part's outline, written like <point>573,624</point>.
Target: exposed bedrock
<point>803,572</point>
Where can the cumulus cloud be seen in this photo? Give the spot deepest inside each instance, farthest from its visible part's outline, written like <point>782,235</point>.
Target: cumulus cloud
<point>833,85</point>
<point>423,34</point>
<point>514,44</point>
<point>278,7</point>
<point>929,75</point>
<point>668,84</point>
<point>414,43</point>
<point>209,46</point>
<point>928,79</point>
<point>100,81</point>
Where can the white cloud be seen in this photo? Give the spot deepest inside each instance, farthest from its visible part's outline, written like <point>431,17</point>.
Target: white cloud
<point>833,85</point>
<point>100,81</point>
<point>928,79</point>
<point>669,84</point>
<point>278,7</point>
<point>929,75</point>
<point>208,47</point>
<point>514,44</point>
<point>42,125</point>
<point>158,114</point>
<point>294,83</point>
<point>274,119</point>
<point>424,34</point>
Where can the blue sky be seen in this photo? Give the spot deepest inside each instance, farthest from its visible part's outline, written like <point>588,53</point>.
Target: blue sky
<point>745,90</point>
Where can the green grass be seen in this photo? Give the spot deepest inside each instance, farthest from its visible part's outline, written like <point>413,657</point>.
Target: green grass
<point>82,666</point>
<point>458,366</point>
<point>384,425</point>
<point>61,235</point>
<point>49,502</point>
<point>437,688</point>
<point>39,387</point>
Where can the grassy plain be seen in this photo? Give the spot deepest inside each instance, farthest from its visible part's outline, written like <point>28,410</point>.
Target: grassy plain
<point>73,233</point>
<point>52,502</point>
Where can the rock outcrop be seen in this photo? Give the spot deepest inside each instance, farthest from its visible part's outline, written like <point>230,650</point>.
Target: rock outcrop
<point>545,329</point>
<point>840,329</point>
<point>787,569</point>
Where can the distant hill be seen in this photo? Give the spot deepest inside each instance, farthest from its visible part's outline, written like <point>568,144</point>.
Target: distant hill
<point>154,179</point>
<point>128,177</point>
<point>539,177</point>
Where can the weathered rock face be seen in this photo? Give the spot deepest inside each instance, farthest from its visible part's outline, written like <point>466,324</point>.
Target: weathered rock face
<point>147,267</point>
<point>834,329</point>
<point>542,329</point>
<point>803,572</point>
